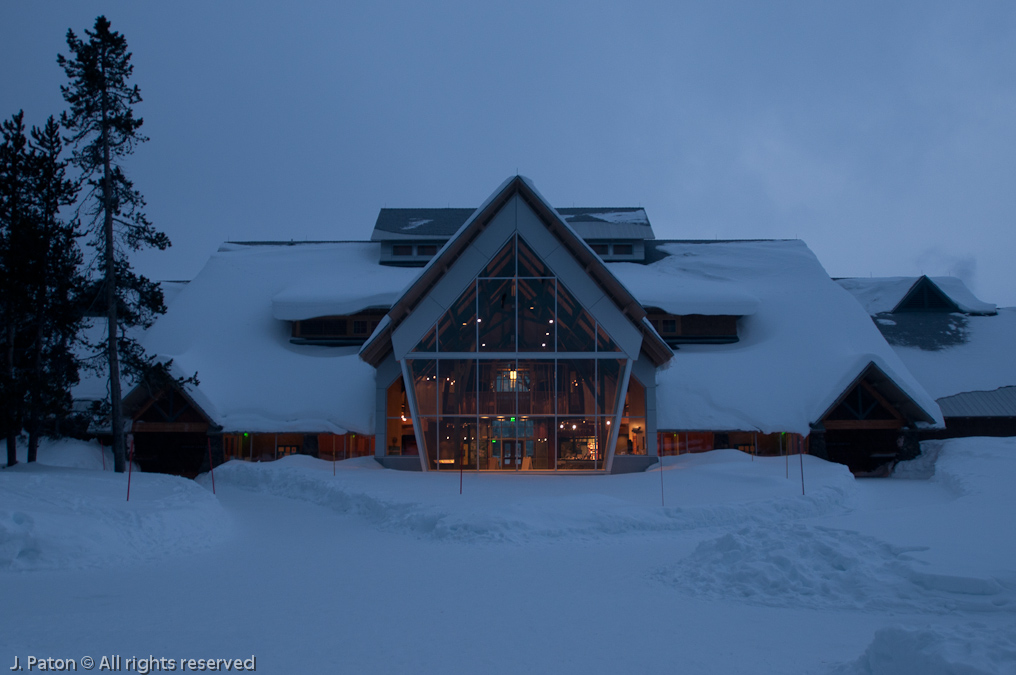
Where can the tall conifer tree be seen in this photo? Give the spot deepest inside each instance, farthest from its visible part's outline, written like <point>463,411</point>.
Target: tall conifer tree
<point>104,132</point>
<point>39,282</point>
<point>53,285</point>
<point>15,217</point>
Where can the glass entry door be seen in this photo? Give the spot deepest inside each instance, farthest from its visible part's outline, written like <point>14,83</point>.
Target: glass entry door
<point>511,457</point>
<point>508,443</point>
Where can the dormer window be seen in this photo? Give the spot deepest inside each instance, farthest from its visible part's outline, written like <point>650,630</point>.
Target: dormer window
<point>618,251</point>
<point>337,331</point>
<point>678,329</point>
<point>409,253</point>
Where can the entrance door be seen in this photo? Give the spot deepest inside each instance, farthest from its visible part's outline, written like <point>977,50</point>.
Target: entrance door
<point>511,457</point>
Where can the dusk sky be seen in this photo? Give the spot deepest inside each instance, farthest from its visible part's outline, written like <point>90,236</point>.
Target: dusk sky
<point>882,134</point>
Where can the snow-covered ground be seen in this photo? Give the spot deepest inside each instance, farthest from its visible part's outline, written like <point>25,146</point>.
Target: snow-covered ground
<point>717,564</point>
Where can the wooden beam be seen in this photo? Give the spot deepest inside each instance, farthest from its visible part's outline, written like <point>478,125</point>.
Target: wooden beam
<point>860,425</point>
<point>150,402</point>
<point>169,427</point>
<point>881,399</point>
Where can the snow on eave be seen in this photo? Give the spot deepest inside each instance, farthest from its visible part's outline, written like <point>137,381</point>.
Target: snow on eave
<point>257,424</point>
<point>297,306</point>
<point>333,291</point>
<point>652,289</point>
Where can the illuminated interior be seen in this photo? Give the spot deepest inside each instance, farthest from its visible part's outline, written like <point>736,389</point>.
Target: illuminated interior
<point>515,376</point>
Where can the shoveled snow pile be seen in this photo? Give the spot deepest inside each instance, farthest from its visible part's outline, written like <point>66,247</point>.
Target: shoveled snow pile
<point>796,565</point>
<point>801,564</point>
<point>973,649</point>
<point>54,517</point>
<point>724,488</point>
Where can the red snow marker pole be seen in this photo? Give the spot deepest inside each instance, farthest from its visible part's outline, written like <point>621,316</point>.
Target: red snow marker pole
<point>333,454</point>
<point>130,467</point>
<point>801,455</point>
<point>663,499</point>
<point>211,469</point>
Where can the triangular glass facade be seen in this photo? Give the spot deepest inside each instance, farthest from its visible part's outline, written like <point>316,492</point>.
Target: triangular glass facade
<point>519,376</point>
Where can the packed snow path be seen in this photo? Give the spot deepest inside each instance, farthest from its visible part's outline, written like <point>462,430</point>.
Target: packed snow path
<point>383,572</point>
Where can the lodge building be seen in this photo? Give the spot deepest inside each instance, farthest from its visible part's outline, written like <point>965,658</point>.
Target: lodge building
<point>516,337</point>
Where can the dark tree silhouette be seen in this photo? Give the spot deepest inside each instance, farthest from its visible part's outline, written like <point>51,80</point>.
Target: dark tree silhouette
<point>53,285</point>
<point>104,131</point>
<point>15,223</point>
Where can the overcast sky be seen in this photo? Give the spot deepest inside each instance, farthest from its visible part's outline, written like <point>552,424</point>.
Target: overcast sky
<point>882,134</point>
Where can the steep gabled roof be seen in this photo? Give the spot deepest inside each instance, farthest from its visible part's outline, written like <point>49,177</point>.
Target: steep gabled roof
<point>893,294</point>
<point>379,344</point>
<point>889,390</point>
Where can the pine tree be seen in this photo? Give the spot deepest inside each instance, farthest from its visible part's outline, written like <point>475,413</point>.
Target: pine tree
<point>104,131</point>
<point>39,280</point>
<point>15,214</point>
<point>53,285</point>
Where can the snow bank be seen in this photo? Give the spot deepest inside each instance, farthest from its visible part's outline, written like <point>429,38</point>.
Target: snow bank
<point>67,452</point>
<point>60,518</point>
<point>723,489</point>
<point>980,470</point>
<point>971,649</point>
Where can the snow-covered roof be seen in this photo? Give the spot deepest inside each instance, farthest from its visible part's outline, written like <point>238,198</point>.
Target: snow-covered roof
<point>803,339</point>
<point>804,344</point>
<point>883,294</point>
<point>963,296</point>
<point>980,356</point>
<point>222,326</point>
<point>948,353</point>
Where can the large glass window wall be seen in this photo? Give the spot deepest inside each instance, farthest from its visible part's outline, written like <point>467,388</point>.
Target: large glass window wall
<point>515,376</point>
